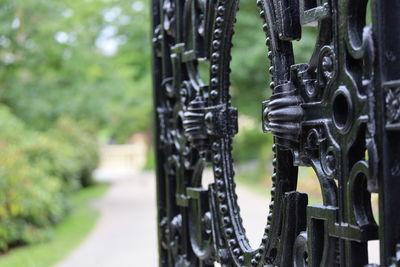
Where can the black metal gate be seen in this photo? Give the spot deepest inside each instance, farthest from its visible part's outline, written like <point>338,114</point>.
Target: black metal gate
<point>339,114</point>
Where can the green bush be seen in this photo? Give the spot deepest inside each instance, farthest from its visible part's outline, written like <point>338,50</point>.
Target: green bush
<point>38,171</point>
<point>30,197</point>
<point>248,143</point>
<point>30,200</point>
<point>85,147</point>
<point>55,158</point>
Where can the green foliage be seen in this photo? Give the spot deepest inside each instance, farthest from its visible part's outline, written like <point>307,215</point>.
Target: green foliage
<point>67,234</point>
<point>250,140</point>
<point>250,81</point>
<point>69,70</point>
<point>37,173</point>
<point>54,61</point>
<point>83,146</point>
<point>54,157</point>
<point>30,198</point>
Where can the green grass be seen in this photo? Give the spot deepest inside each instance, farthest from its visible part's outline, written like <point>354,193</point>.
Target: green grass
<point>67,235</point>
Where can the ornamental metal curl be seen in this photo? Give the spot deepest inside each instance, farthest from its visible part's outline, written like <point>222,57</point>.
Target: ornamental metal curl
<point>338,113</point>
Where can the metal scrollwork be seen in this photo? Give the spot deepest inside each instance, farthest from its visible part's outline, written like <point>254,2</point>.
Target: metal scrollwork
<point>338,113</point>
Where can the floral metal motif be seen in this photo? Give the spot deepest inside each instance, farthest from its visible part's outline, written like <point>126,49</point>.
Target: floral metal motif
<point>393,105</point>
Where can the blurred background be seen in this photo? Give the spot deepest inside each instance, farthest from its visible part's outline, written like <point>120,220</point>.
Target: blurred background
<point>76,155</point>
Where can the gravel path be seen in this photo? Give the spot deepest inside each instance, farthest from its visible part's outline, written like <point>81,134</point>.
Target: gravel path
<point>125,235</point>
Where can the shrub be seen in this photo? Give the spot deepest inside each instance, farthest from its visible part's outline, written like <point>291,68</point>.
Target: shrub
<point>85,147</point>
<point>38,171</point>
<point>55,158</point>
<point>30,198</point>
<point>250,140</point>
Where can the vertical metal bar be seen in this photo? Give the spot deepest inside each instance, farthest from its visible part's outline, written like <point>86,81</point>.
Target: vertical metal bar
<point>160,175</point>
<point>386,27</point>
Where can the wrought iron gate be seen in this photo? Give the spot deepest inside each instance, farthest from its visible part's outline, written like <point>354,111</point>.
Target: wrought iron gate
<point>339,114</point>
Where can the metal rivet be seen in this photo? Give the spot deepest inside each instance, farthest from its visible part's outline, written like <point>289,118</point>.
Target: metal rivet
<point>272,85</point>
<point>215,56</point>
<point>264,238</point>
<point>218,171</point>
<point>271,70</point>
<point>218,21</point>
<point>229,231</point>
<point>217,158</point>
<point>216,44</point>
<point>217,33</point>
<point>214,94</point>
<point>226,220</point>
<point>215,146</point>
<point>223,209</point>
<point>221,10</point>
<point>214,68</point>
<point>271,204</point>
<point>214,81</point>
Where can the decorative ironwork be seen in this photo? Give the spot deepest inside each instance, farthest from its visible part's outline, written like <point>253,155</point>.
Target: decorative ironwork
<point>339,113</point>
